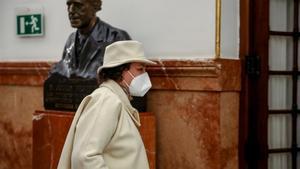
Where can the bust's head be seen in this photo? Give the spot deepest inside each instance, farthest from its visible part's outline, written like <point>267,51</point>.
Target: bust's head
<point>82,13</point>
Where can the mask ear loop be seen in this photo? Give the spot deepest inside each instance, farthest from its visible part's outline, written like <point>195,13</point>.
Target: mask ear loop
<point>126,83</point>
<point>131,76</point>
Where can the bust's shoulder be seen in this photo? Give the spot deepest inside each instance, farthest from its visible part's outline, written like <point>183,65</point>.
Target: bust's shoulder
<point>71,37</point>
<point>117,33</point>
<point>106,25</point>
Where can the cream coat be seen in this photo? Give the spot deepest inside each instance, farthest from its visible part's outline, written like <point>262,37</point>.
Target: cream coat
<point>103,134</point>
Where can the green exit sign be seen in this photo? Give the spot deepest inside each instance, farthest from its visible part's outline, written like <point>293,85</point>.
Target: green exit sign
<point>30,25</point>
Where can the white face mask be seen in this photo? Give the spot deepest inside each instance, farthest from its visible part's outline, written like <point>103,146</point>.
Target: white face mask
<point>139,85</point>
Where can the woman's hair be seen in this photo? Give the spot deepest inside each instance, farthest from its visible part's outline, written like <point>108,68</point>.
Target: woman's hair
<point>114,73</point>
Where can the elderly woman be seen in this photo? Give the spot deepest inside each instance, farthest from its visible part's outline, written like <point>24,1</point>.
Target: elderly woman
<point>104,133</point>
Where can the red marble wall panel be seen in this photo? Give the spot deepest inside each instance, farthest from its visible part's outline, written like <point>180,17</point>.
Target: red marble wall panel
<point>148,133</point>
<point>229,129</point>
<point>17,105</point>
<point>189,129</point>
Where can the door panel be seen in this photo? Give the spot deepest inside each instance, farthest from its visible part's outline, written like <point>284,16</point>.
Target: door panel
<point>281,15</point>
<point>279,131</point>
<point>280,46</point>
<point>280,161</point>
<point>280,92</point>
<point>283,84</point>
<point>272,97</point>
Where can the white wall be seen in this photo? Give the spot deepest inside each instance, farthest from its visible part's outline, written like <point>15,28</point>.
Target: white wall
<point>48,47</point>
<point>230,28</point>
<point>168,28</point>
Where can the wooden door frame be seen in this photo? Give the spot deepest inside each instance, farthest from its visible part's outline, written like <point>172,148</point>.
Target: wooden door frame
<point>254,20</point>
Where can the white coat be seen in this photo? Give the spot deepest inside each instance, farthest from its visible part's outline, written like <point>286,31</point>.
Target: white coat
<point>104,134</point>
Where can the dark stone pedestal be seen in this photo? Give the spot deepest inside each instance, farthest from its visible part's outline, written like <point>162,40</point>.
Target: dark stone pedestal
<point>62,93</point>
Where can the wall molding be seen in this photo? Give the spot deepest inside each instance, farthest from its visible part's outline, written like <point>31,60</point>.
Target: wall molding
<point>196,75</point>
<point>207,75</point>
<point>24,73</point>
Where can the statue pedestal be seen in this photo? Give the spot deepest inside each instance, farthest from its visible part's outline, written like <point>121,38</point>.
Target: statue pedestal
<point>62,93</point>
<point>50,129</point>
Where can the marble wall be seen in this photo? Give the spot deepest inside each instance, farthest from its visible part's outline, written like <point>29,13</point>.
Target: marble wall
<point>21,94</point>
<point>196,104</point>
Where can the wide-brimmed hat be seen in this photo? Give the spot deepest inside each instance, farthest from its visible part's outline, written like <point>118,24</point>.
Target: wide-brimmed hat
<point>122,52</point>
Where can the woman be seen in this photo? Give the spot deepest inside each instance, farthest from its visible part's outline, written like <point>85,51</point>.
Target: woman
<point>104,133</point>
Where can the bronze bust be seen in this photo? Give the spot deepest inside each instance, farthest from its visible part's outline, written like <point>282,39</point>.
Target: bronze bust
<point>84,49</point>
<point>74,76</point>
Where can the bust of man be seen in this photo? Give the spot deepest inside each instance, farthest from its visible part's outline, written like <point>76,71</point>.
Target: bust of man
<point>75,75</point>
<point>84,49</point>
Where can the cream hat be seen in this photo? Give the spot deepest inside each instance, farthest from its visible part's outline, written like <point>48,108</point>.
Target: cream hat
<point>122,52</point>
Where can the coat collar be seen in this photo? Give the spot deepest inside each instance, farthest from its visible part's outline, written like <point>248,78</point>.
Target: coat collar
<point>116,88</point>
